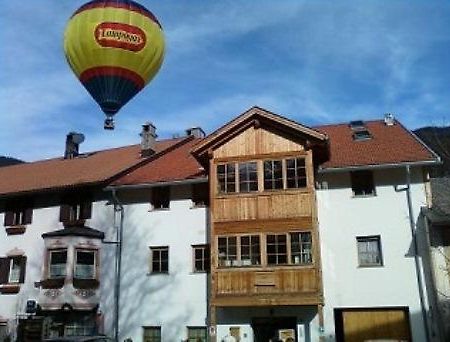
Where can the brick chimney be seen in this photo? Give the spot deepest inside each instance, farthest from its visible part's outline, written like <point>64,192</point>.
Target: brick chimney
<point>148,139</point>
<point>73,141</point>
<point>196,132</point>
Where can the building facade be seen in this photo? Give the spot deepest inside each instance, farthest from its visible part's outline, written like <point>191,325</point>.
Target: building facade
<point>263,230</point>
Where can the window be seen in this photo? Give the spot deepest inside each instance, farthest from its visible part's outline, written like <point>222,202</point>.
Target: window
<point>273,174</point>
<point>161,197</point>
<point>85,264</point>
<point>57,264</point>
<point>362,183</point>
<point>369,251</point>
<point>361,135</point>
<point>152,334</point>
<point>201,258</point>
<point>277,249</point>
<point>239,250</point>
<point>301,248</point>
<point>196,334</point>
<point>18,217</point>
<point>160,259</point>
<point>200,194</point>
<point>248,177</point>
<point>227,250</point>
<point>226,178</point>
<point>75,211</point>
<point>12,269</point>
<point>295,173</point>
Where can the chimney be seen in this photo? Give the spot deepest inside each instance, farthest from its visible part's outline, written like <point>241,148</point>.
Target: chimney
<point>148,139</point>
<point>73,141</point>
<point>196,132</point>
<point>389,119</point>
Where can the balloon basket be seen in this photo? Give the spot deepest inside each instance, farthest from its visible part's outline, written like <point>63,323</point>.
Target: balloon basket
<point>109,124</point>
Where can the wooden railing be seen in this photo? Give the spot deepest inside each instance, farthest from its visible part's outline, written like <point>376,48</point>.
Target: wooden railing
<point>263,206</point>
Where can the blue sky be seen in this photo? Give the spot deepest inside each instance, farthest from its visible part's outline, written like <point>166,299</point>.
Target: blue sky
<point>312,61</point>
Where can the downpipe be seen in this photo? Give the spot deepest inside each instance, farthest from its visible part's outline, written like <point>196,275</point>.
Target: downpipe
<point>118,208</point>
<point>416,253</point>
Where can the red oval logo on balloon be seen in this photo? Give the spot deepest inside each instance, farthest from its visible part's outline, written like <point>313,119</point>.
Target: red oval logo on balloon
<point>118,35</point>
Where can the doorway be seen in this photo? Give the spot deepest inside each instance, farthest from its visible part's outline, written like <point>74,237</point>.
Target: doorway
<point>267,329</point>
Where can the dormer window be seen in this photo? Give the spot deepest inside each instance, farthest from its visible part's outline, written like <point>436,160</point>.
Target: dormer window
<point>57,264</point>
<point>85,261</point>
<point>362,134</point>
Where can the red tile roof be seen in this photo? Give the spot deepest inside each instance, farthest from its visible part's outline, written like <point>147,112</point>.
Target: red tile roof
<point>176,165</point>
<point>389,145</point>
<point>86,169</point>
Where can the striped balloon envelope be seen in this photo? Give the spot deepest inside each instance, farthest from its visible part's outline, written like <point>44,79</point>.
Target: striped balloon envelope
<point>115,48</point>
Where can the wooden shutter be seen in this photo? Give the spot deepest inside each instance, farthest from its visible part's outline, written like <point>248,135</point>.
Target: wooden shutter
<point>4,270</point>
<point>64,213</point>
<point>86,210</point>
<point>28,216</point>
<point>9,218</point>
<point>23,266</point>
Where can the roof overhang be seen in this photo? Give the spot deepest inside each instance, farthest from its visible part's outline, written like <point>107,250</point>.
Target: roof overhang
<point>378,166</point>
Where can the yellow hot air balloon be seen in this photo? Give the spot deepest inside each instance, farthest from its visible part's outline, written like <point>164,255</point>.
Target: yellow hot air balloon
<point>115,48</point>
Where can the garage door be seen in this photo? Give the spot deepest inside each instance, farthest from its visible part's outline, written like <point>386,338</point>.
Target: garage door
<point>369,324</point>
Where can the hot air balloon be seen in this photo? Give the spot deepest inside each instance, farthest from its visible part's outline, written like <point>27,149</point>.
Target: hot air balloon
<point>115,48</point>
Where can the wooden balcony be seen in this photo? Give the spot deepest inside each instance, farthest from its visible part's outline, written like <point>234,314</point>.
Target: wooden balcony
<point>276,286</point>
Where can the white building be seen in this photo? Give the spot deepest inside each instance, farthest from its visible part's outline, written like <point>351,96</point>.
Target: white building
<point>263,229</point>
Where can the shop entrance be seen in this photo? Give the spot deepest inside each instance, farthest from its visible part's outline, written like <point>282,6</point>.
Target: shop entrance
<point>271,329</point>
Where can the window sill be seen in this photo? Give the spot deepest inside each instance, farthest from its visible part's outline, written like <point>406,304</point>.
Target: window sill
<point>157,273</point>
<point>158,209</point>
<point>265,192</point>
<point>370,266</point>
<point>73,223</point>
<point>364,196</point>
<point>15,230</point>
<point>54,283</point>
<point>264,268</point>
<point>10,288</point>
<point>85,283</point>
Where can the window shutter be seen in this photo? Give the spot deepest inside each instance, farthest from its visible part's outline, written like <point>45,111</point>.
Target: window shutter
<point>4,270</point>
<point>9,218</point>
<point>86,210</point>
<point>23,266</point>
<point>28,215</point>
<point>64,213</point>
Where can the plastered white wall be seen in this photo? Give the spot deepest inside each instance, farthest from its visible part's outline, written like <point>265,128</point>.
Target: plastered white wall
<point>342,218</point>
<point>175,300</point>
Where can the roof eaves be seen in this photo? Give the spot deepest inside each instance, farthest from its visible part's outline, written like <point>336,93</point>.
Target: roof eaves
<point>377,166</point>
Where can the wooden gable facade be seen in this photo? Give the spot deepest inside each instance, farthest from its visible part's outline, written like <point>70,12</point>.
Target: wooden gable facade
<point>263,212</point>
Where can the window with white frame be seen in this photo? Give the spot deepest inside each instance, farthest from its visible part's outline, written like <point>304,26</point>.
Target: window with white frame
<point>369,251</point>
<point>273,174</point>
<point>15,269</point>
<point>57,263</point>
<point>226,178</point>
<point>160,259</point>
<point>301,248</point>
<point>236,251</point>
<point>85,264</point>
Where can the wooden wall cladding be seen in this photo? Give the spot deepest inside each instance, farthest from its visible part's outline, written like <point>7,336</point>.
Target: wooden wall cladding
<point>275,205</point>
<point>256,141</point>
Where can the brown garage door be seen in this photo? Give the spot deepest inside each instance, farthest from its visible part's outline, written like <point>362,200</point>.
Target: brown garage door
<point>366,324</point>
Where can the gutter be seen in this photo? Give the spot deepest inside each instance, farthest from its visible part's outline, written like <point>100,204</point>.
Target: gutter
<point>157,184</point>
<point>380,166</point>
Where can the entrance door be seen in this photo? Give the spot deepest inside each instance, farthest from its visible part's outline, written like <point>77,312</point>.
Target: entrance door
<point>267,329</point>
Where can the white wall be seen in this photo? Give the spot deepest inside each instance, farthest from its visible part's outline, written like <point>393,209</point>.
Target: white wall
<point>342,218</point>
<point>174,300</point>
